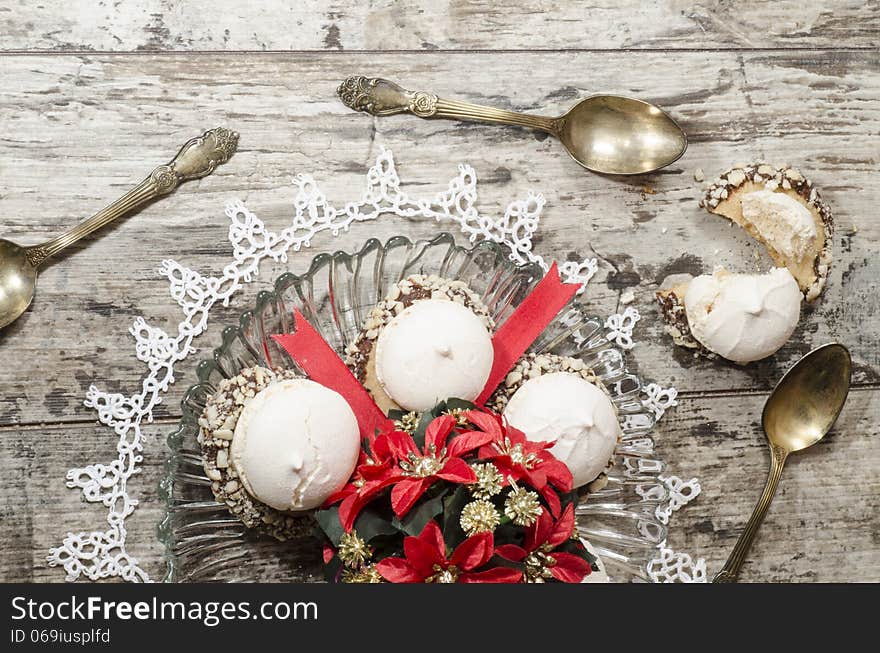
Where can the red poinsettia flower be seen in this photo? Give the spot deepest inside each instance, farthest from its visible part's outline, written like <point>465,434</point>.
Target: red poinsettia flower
<point>426,561</point>
<point>518,458</point>
<point>376,468</point>
<point>421,468</point>
<point>537,552</point>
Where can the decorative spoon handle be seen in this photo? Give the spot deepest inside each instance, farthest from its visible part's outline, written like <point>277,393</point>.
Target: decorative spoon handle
<point>730,571</point>
<point>380,97</point>
<point>197,158</point>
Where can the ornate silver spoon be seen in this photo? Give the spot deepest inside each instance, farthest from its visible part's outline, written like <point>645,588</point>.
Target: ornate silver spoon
<point>19,265</point>
<point>610,134</point>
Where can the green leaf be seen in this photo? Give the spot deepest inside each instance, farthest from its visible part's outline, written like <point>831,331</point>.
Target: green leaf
<point>396,414</point>
<point>370,524</point>
<point>459,404</point>
<point>415,520</point>
<point>577,548</point>
<point>452,507</point>
<point>419,434</point>
<point>332,569</point>
<point>328,520</point>
<point>509,533</point>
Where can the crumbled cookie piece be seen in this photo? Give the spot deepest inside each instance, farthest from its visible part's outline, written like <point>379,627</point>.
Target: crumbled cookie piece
<point>724,197</point>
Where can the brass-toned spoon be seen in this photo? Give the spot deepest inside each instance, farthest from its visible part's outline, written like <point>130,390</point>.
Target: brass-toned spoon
<point>799,412</point>
<point>19,264</point>
<point>610,134</point>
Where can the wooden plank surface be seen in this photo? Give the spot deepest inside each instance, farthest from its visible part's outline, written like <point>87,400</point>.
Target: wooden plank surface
<point>80,128</point>
<point>821,527</point>
<point>436,24</point>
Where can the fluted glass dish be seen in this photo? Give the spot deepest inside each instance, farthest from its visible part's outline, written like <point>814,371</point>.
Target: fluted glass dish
<point>203,542</point>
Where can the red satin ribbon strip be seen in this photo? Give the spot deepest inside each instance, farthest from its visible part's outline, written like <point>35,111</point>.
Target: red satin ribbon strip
<point>308,348</point>
<point>525,324</point>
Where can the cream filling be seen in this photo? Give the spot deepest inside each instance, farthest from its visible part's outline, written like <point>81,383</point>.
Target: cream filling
<point>781,221</point>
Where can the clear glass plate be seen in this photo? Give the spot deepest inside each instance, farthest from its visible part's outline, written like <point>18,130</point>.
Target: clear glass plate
<point>203,542</point>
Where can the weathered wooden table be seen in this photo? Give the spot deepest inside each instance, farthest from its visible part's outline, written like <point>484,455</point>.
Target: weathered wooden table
<point>95,94</point>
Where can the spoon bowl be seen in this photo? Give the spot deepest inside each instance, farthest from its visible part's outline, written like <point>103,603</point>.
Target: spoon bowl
<point>617,135</point>
<point>808,398</point>
<point>608,134</point>
<point>18,279</point>
<point>799,412</point>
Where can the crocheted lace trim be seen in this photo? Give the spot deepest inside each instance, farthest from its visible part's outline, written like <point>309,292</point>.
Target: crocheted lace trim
<point>104,552</point>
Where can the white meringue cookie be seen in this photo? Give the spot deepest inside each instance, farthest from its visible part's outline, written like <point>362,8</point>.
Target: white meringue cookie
<point>295,443</point>
<point>743,317</point>
<point>433,350</point>
<point>567,409</point>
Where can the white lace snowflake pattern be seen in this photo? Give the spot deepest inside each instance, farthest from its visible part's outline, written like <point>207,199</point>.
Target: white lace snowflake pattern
<point>581,273</point>
<point>620,327</point>
<point>101,554</point>
<point>681,493</point>
<point>672,567</point>
<point>659,399</point>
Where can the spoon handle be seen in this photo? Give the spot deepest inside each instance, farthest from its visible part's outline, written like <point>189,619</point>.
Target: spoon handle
<point>380,97</point>
<point>730,571</point>
<point>197,158</point>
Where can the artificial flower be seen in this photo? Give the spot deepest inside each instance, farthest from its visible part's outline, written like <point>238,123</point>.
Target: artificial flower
<point>367,574</point>
<point>489,481</point>
<point>538,556</point>
<point>518,458</point>
<point>376,468</point>
<point>407,422</point>
<point>421,468</point>
<point>353,551</point>
<point>522,506</point>
<point>425,561</point>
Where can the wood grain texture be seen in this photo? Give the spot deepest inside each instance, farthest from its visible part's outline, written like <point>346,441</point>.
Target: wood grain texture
<point>80,128</point>
<point>820,528</point>
<point>37,511</point>
<point>429,25</point>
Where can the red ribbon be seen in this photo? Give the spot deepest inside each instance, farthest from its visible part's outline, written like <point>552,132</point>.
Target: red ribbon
<point>308,348</point>
<point>525,324</point>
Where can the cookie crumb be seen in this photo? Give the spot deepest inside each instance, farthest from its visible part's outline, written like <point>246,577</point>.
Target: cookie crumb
<point>698,175</point>
<point>627,297</point>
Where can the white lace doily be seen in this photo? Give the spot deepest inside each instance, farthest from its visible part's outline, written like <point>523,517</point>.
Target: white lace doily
<point>103,553</point>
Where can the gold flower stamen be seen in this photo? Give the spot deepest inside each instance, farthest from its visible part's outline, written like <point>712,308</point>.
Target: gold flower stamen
<point>448,575</point>
<point>408,422</point>
<point>516,453</point>
<point>424,466</point>
<point>368,574</point>
<point>479,516</point>
<point>522,506</point>
<point>353,551</point>
<point>489,481</point>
